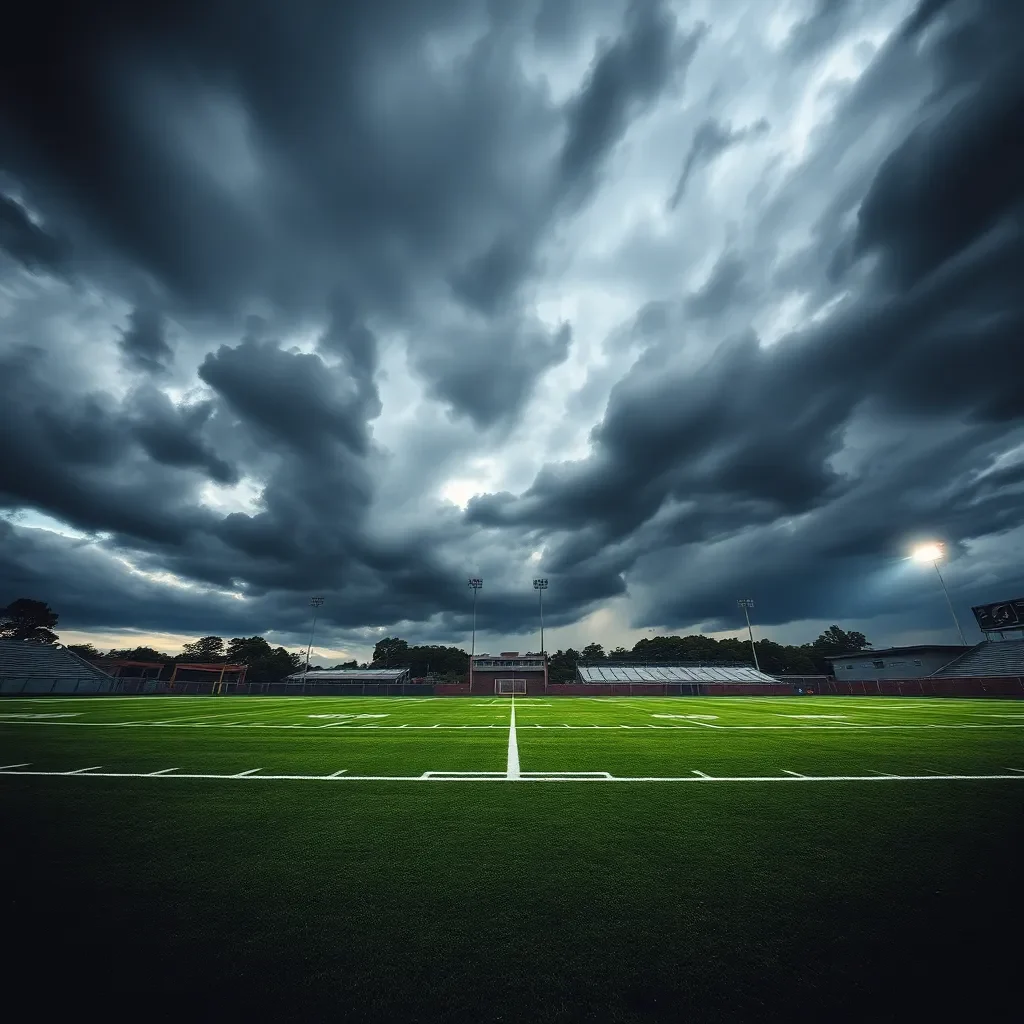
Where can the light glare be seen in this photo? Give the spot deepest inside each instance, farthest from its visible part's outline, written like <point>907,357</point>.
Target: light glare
<point>927,553</point>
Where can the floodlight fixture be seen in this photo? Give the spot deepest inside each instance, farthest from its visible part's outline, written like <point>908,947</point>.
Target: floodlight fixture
<point>315,603</point>
<point>540,585</point>
<point>927,553</point>
<point>933,552</point>
<point>746,604</point>
<point>475,582</point>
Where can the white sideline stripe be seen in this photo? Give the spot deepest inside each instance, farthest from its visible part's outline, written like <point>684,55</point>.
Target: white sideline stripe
<point>529,777</point>
<point>163,771</point>
<point>848,727</point>
<point>795,775</point>
<point>242,775</point>
<point>512,771</point>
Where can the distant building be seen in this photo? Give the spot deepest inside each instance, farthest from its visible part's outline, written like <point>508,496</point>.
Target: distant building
<point>509,672</point>
<point>915,662</point>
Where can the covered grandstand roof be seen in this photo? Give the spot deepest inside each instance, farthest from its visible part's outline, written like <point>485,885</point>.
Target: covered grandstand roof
<point>671,674</point>
<point>354,675</point>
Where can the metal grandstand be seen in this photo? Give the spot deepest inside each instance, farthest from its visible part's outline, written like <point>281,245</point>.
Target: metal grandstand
<point>671,672</point>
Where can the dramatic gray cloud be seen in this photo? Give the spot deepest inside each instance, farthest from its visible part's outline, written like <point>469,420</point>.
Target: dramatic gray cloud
<point>670,302</point>
<point>143,343</point>
<point>25,240</point>
<point>709,141</point>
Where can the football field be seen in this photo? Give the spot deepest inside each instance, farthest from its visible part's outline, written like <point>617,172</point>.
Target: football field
<point>480,859</point>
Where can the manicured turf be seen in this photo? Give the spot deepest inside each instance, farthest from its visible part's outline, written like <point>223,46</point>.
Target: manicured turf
<point>475,897</point>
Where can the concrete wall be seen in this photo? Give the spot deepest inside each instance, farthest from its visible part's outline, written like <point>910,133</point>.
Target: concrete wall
<point>15,686</point>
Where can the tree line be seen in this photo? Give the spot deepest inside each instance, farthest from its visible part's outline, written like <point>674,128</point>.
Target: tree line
<point>26,619</point>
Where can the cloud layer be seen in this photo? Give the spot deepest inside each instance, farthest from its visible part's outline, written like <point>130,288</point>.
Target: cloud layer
<point>672,303</point>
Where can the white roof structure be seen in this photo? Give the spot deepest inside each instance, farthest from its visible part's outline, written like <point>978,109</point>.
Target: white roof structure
<point>670,674</point>
<point>354,675</point>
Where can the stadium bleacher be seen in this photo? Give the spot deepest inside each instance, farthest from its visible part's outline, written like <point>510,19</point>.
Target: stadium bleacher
<point>671,674</point>
<point>27,667</point>
<point>989,658</point>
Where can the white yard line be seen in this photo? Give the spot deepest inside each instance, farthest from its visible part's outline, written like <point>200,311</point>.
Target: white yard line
<point>91,773</point>
<point>78,771</point>
<point>851,727</point>
<point>795,775</point>
<point>24,764</point>
<point>512,771</point>
<point>163,771</point>
<point>242,775</point>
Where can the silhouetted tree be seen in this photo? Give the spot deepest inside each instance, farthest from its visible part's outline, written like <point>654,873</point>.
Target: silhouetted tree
<point>837,641</point>
<point>26,619</point>
<point>84,650</point>
<point>204,650</point>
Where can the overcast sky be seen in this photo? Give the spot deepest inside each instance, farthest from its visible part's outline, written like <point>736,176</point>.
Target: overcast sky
<point>670,303</point>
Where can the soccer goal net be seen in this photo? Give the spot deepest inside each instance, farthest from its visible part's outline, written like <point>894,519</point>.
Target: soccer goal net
<point>510,686</point>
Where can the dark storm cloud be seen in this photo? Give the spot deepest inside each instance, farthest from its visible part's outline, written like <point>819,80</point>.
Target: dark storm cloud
<point>710,141</point>
<point>387,174</point>
<point>762,427</point>
<point>172,435</point>
<point>498,368</point>
<point>312,152</point>
<point>723,286</point>
<point>952,180</point>
<point>94,592</point>
<point>293,399</point>
<point>97,462</point>
<point>629,74</point>
<point>818,29</point>
<point>26,241</point>
<point>143,342</point>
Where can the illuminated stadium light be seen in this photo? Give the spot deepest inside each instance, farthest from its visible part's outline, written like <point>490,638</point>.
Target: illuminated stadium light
<point>933,553</point>
<point>540,586</point>
<point>927,553</point>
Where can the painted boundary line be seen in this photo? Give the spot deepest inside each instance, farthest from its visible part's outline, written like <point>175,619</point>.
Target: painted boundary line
<point>512,769</point>
<point>88,773</point>
<point>838,727</point>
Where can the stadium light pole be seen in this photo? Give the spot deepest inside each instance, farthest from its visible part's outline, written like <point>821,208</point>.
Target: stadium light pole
<point>932,553</point>
<point>746,604</point>
<point>475,583</point>
<point>540,586</point>
<point>315,603</point>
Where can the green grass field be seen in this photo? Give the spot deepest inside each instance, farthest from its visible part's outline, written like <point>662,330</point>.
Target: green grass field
<point>382,858</point>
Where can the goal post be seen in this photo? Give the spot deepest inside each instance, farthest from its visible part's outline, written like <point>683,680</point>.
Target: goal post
<point>510,686</point>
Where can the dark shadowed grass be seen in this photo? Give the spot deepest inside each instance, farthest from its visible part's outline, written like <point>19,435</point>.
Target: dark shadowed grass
<point>206,899</point>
